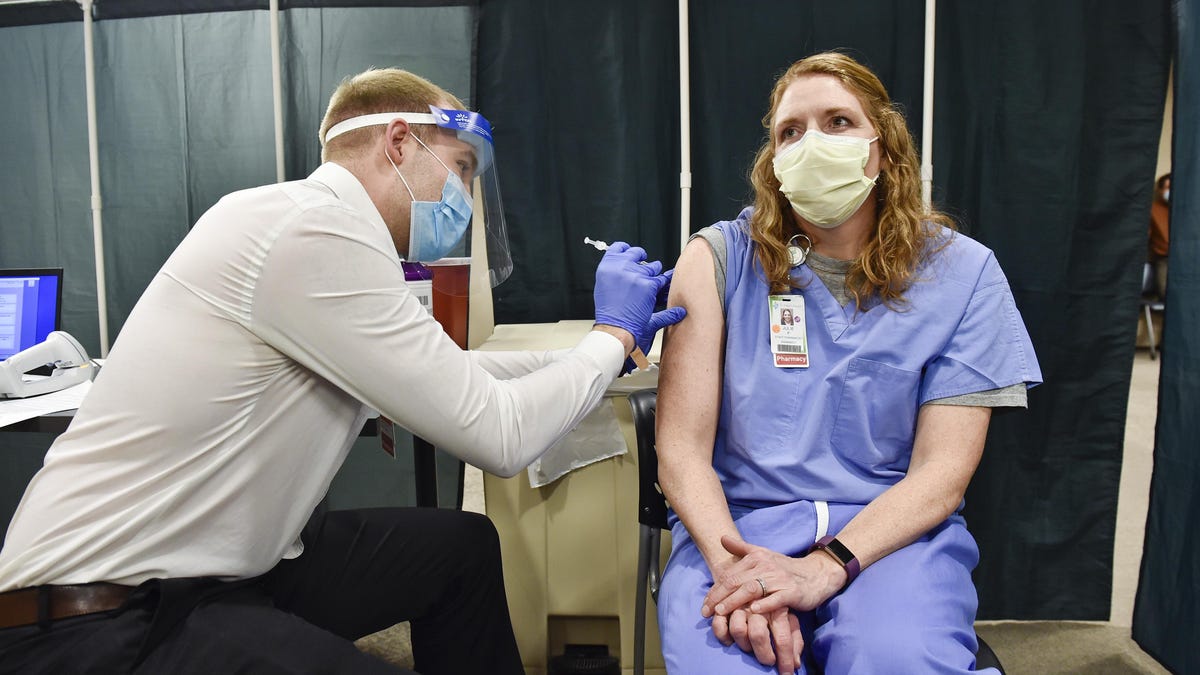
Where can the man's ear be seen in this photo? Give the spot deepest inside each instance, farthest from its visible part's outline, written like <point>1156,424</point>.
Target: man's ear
<point>394,137</point>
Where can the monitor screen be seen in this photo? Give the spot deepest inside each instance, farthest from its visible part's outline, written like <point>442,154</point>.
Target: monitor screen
<point>30,302</point>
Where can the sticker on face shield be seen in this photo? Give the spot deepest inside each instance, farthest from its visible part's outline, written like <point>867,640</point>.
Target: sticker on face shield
<point>471,128</point>
<point>463,120</point>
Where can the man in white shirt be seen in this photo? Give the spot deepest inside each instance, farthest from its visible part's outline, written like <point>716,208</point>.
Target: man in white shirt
<point>164,532</point>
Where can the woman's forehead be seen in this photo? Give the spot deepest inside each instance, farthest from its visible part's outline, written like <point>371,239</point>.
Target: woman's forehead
<point>817,92</point>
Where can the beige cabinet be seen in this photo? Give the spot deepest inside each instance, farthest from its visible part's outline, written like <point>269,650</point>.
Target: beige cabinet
<point>570,547</point>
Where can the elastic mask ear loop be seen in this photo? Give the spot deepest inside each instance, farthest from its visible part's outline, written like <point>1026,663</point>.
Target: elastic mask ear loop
<point>439,159</point>
<point>882,156</point>
<point>411,196</point>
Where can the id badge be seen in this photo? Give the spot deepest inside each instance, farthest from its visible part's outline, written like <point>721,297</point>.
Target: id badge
<point>789,337</point>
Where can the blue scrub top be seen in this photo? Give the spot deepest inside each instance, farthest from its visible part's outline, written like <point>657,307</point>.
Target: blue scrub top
<point>842,429</point>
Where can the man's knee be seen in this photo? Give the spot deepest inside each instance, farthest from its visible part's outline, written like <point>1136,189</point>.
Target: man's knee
<point>481,532</point>
<point>475,528</point>
<point>470,538</point>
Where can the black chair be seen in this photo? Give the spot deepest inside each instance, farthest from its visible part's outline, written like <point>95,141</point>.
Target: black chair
<point>652,519</point>
<point>1150,301</point>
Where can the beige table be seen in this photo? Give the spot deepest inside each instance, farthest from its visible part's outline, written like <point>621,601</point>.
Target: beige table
<point>570,547</point>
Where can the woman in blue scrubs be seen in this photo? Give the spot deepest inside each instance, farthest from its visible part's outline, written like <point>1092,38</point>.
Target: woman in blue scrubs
<point>816,469</point>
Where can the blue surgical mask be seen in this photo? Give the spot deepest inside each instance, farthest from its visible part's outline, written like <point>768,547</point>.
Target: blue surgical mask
<point>435,227</point>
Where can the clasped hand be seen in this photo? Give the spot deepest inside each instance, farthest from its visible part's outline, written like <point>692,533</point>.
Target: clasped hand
<point>627,291</point>
<point>752,599</point>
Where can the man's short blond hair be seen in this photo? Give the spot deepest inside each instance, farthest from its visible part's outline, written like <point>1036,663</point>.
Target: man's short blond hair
<point>377,90</point>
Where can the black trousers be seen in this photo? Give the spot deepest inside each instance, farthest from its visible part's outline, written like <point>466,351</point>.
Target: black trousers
<point>361,571</point>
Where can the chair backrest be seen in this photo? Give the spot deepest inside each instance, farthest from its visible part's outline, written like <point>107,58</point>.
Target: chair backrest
<point>1148,285</point>
<point>652,505</point>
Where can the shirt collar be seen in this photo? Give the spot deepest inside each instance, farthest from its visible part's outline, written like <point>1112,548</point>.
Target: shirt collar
<point>346,187</point>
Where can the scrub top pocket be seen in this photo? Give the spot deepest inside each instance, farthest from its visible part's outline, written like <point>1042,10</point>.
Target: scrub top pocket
<point>876,415</point>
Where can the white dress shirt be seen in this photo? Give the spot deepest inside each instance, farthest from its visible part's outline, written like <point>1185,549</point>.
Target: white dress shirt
<point>243,376</point>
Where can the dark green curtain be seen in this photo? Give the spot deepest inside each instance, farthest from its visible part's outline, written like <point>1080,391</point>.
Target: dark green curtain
<point>1048,117</point>
<point>45,217</point>
<point>180,123</point>
<point>584,101</point>
<point>1167,611</point>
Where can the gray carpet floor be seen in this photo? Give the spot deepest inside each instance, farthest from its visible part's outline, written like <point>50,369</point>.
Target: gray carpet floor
<point>1024,647</point>
<point>1066,648</point>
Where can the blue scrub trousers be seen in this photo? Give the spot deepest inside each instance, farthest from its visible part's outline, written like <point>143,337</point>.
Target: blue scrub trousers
<point>911,612</point>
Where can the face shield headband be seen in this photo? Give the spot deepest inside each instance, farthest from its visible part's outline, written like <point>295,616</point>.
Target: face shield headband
<point>474,130</point>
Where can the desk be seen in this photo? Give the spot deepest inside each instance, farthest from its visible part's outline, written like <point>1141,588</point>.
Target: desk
<point>54,423</point>
<point>570,548</point>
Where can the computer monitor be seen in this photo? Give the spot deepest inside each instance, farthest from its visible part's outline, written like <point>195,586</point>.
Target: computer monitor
<point>30,307</point>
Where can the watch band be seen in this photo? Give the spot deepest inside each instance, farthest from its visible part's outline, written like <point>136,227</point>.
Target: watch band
<point>838,550</point>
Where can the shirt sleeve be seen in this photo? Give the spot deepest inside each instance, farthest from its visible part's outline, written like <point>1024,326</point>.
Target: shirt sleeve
<point>510,364</point>
<point>989,349</point>
<point>332,296</point>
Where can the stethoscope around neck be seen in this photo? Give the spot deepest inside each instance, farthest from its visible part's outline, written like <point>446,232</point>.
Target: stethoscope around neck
<point>797,252</point>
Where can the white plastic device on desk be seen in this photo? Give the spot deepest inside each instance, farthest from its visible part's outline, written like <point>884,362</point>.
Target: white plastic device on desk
<point>68,362</point>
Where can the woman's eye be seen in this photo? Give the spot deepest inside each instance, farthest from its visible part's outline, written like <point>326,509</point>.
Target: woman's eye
<point>790,132</point>
<point>839,122</point>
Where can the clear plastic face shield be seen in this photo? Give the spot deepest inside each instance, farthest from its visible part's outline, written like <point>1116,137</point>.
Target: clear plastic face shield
<point>488,212</point>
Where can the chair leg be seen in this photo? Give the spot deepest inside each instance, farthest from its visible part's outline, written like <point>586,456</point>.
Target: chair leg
<point>639,606</point>
<point>1150,331</point>
<point>655,579</point>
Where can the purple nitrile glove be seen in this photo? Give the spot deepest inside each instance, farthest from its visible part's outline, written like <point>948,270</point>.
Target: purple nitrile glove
<point>658,321</point>
<point>627,292</point>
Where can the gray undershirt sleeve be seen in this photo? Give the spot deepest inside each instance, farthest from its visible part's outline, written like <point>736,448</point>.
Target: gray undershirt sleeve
<point>716,242</point>
<point>1012,396</point>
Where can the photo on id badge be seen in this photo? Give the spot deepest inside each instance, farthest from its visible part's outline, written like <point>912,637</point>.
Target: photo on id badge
<point>789,340</point>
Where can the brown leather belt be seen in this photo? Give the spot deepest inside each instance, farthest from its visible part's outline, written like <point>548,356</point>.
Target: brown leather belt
<point>27,606</point>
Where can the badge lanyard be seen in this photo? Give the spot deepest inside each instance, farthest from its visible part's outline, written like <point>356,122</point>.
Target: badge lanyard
<point>789,335</point>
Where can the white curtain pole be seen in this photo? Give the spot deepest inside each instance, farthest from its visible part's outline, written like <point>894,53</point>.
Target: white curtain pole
<point>685,131</point>
<point>927,107</point>
<point>89,61</point>
<point>277,90</point>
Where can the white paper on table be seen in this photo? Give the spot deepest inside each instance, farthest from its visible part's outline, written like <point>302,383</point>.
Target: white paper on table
<point>597,437</point>
<point>20,409</point>
<point>636,380</point>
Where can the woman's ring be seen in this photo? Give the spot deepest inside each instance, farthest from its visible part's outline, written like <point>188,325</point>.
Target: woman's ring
<point>763,585</point>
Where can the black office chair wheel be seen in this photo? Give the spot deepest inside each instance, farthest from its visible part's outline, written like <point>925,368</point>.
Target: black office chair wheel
<point>585,660</point>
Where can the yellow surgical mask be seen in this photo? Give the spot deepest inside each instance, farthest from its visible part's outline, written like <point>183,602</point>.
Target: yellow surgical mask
<point>823,176</point>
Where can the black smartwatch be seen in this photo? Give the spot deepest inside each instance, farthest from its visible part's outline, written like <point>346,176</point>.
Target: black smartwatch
<point>838,550</point>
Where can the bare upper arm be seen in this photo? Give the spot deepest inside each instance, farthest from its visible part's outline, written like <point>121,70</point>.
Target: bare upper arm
<point>949,440</point>
<point>690,381</point>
